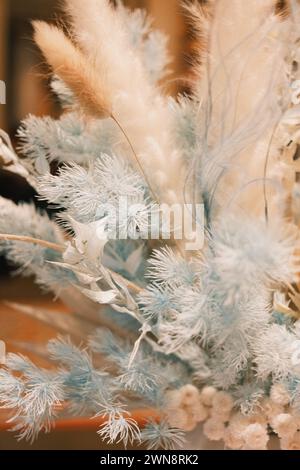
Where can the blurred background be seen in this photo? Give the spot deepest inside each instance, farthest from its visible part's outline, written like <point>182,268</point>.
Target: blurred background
<point>27,92</point>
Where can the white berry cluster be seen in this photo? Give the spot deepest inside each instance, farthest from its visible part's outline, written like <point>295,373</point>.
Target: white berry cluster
<point>188,406</point>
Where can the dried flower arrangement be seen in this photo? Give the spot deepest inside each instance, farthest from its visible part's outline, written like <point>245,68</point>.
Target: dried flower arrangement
<point>209,336</point>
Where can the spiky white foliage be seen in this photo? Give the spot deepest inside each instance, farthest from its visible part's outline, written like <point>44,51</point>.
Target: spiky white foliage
<point>161,435</point>
<point>248,396</point>
<point>169,269</point>
<point>146,374</point>
<point>253,251</point>
<point>151,44</point>
<point>119,428</point>
<point>89,193</point>
<point>10,160</point>
<point>26,220</point>
<point>239,105</point>
<point>69,139</point>
<point>86,386</point>
<point>185,114</point>
<point>38,396</point>
<point>274,351</point>
<point>63,93</point>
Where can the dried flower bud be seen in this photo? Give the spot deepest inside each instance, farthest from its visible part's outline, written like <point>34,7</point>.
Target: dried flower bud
<point>207,394</point>
<point>256,437</point>
<point>284,425</point>
<point>214,429</point>
<point>222,402</point>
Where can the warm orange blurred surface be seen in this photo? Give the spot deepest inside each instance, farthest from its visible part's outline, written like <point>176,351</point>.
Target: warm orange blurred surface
<point>88,424</point>
<point>15,327</point>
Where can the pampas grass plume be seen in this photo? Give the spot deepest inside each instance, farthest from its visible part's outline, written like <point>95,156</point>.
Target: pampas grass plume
<point>79,74</point>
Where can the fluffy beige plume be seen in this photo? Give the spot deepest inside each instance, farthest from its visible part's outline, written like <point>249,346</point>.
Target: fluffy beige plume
<point>240,82</point>
<point>137,104</point>
<point>76,70</point>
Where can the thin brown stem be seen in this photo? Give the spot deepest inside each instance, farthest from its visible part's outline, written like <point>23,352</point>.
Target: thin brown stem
<point>35,241</point>
<point>266,171</point>
<point>135,156</point>
<point>130,285</point>
<point>154,195</point>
